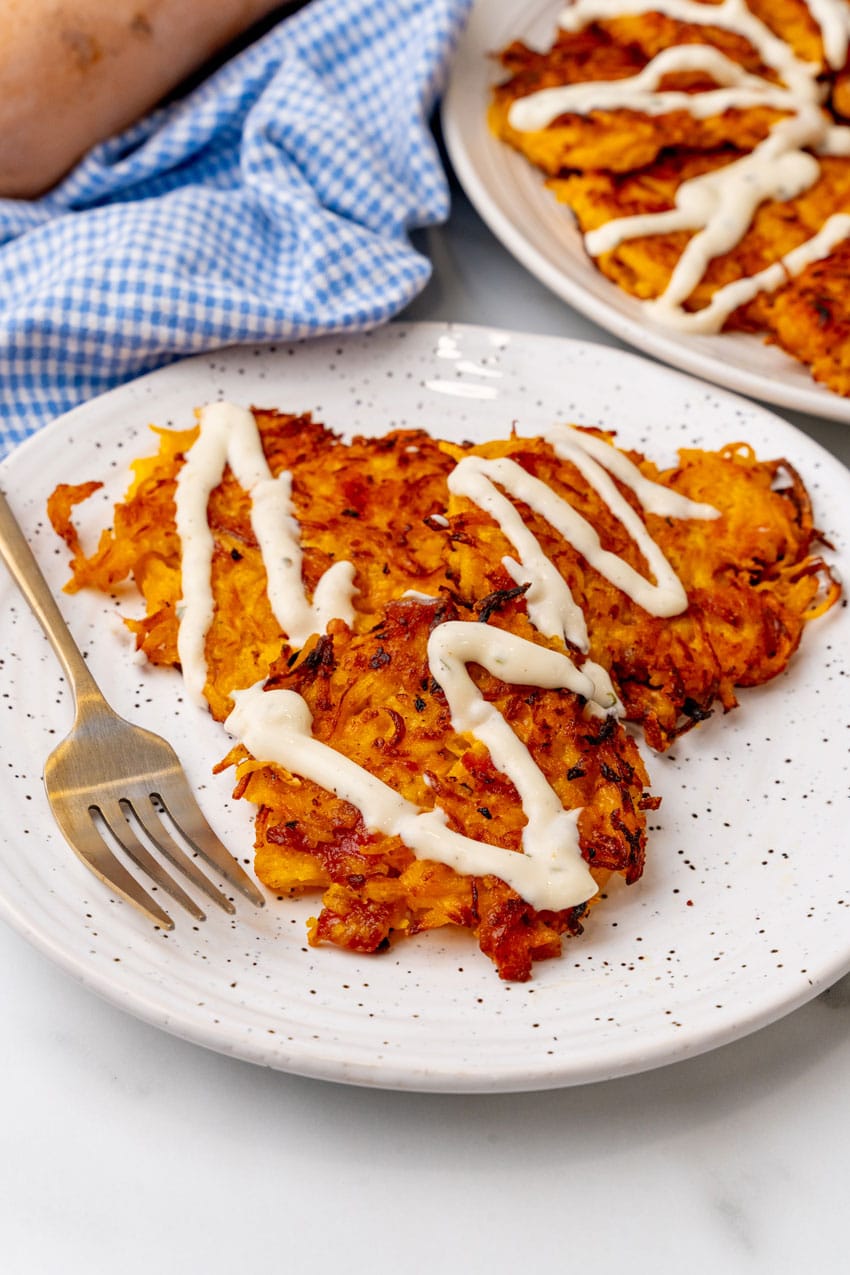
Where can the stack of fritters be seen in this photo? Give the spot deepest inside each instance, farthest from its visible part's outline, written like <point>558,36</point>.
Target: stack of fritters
<point>752,580</point>
<point>621,163</point>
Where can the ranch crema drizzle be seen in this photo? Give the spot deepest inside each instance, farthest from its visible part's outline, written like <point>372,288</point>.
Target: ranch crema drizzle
<point>276,726</point>
<point>228,435</point>
<point>717,206</point>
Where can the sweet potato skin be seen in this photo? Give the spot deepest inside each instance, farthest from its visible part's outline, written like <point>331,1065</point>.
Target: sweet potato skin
<point>74,74</point>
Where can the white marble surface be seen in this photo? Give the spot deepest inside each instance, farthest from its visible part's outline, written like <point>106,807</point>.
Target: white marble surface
<point>125,1150</point>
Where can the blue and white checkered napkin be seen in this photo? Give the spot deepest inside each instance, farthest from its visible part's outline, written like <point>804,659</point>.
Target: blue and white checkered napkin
<point>272,202</point>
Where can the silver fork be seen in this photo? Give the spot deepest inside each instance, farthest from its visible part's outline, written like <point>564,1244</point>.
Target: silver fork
<point>107,769</point>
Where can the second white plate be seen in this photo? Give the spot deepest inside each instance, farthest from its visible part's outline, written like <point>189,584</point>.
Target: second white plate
<point>511,197</point>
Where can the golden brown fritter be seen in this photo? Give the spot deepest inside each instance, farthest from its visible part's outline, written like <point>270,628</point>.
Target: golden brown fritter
<point>369,501</point>
<point>611,164</point>
<point>374,699</point>
<point>752,578</point>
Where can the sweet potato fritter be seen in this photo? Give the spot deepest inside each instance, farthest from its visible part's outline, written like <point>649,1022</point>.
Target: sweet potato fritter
<point>752,577</point>
<point>373,698</point>
<point>370,501</point>
<point>614,163</point>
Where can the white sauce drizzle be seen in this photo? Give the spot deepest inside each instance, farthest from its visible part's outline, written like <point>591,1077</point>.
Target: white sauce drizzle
<point>550,873</point>
<point>720,205</point>
<point>228,435</point>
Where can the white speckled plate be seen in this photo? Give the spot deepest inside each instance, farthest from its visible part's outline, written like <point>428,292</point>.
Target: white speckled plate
<point>744,911</point>
<point>511,197</point>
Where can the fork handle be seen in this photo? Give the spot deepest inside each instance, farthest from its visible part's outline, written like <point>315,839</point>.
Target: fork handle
<point>25,571</point>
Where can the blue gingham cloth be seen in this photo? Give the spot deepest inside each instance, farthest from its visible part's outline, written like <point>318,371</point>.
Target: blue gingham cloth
<point>272,202</point>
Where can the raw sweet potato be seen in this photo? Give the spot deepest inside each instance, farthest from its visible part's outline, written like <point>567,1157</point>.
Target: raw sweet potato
<point>73,74</point>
